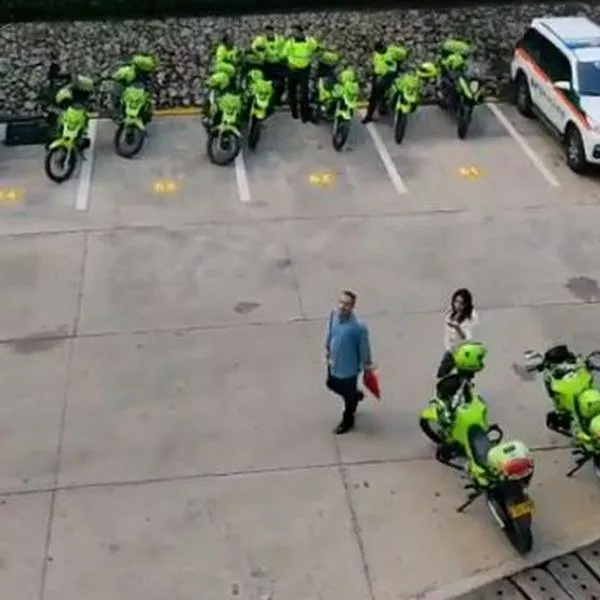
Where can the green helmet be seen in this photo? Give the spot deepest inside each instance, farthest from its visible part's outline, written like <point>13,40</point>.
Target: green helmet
<point>469,357</point>
<point>255,75</point>
<point>348,76</point>
<point>427,70</point>
<point>454,46</point>
<point>144,62</point>
<point>225,67</point>
<point>588,403</point>
<point>84,83</point>
<point>594,427</point>
<point>454,61</point>
<point>329,58</point>
<point>218,80</point>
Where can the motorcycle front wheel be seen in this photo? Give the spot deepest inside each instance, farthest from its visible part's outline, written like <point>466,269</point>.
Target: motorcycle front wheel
<point>223,147</point>
<point>254,132</point>
<point>129,140</point>
<point>463,116</point>
<point>400,122</point>
<point>60,163</point>
<point>340,133</point>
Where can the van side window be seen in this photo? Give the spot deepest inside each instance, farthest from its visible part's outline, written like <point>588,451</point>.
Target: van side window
<point>554,63</point>
<point>531,43</point>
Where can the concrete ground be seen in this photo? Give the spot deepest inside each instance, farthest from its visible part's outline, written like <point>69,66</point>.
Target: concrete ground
<point>164,430</point>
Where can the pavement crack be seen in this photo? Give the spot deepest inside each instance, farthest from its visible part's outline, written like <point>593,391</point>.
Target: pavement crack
<point>63,418</point>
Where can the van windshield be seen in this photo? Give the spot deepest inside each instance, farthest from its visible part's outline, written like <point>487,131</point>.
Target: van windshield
<point>588,74</point>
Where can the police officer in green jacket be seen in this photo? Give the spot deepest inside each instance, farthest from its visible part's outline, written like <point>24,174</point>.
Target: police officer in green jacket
<point>384,67</point>
<point>271,47</point>
<point>299,52</point>
<point>226,50</point>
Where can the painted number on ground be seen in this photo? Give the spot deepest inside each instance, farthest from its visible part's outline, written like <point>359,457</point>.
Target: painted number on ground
<point>10,196</point>
<point>470,172</point>
<point>322,179</point>
<point>165,186</point>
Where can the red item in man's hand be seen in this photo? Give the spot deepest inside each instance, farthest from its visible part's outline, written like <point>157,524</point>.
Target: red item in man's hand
<point>371,382</point>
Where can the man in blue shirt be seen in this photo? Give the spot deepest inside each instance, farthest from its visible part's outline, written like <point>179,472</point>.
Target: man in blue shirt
<point>348,352</point>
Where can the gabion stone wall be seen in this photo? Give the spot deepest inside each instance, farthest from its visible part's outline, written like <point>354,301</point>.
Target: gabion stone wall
<point>183,45</point>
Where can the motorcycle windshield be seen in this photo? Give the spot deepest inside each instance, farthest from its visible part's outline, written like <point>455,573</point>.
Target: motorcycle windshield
<point>72,122</point>
<point>134,99</point>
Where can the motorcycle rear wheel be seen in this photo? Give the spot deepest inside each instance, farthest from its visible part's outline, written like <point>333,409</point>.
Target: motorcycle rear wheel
<point>400,122</point>
<point>254,132</point>
<point>518,531</point>
<point>223,148</point>
<point>68,160</point>
<point>340,133</point>
<point>129,140</point>
<point>464,114</point>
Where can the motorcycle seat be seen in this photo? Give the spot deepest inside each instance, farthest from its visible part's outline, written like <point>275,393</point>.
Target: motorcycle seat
<point>480,445</point>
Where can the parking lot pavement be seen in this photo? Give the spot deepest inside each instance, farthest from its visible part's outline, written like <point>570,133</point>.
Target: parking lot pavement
<point>163,370</point>
<point>29,202</point>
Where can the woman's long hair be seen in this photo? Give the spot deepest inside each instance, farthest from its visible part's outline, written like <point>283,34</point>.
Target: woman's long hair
<point>467,311</point>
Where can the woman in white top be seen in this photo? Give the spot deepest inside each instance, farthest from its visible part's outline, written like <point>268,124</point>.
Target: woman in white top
<point>460,321</point>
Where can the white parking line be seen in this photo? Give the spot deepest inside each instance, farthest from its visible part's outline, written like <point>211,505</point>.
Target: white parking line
<point>241,177</point>
<point>386,159</point>
<point>85,177</point>
<point>527,149</point>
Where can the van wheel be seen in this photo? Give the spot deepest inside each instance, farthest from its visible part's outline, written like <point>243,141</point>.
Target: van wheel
<point>574,150</point>
<point>523,96</point>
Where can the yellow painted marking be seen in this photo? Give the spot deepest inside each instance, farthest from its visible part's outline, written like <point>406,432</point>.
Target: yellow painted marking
<point>165,186</point>
<point>470,172</point>
<point>322,179</point>
<point>10,196</point>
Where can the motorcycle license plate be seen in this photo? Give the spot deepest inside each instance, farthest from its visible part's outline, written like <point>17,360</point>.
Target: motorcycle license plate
<point>521,509</point>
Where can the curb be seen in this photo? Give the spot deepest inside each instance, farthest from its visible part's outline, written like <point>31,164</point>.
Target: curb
<point>196,111</point>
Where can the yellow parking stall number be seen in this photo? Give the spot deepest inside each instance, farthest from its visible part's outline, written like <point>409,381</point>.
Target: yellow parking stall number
<point>470,172</point>
<point>165,186</point>
<point>322,179</point>
<point>9,196</point>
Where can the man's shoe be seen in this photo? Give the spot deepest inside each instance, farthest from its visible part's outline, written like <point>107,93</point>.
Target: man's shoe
<point>344,427</point>
<point>361,395</point>
<point>367,120</point>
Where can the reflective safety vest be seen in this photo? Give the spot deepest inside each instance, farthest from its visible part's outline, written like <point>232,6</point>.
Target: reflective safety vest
<point>274,49</point>
<point>225,54</point>
<point>383,63</point>
<point>299,54</point>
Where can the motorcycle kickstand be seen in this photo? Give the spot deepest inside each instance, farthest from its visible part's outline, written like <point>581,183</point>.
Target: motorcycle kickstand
<point>470,498</point>
<point>446,461</point>
<point>560,431</point>
<point>579,463</point>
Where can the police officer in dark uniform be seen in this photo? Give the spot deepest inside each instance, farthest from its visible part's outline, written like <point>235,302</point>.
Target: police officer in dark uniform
<point>299,52</point>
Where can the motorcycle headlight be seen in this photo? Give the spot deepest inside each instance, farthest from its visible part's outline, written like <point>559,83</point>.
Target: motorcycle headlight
<point>474,86</point>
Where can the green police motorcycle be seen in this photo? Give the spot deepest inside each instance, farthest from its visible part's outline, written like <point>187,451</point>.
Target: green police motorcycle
<point>130,134</point>
<point>260,98</point>
<point>346,94</point>
<point>569,382</point>
<point>224,137</point>
<point>63,153</point>
<point>406,94</point>
<point>456,420</point>
<point>460,87</point>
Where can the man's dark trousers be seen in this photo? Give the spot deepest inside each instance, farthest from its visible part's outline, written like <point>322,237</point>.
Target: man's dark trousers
<point>346,388</point>
<point>298,92</point>
<point>275,73</point>
<point>379,86</point>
